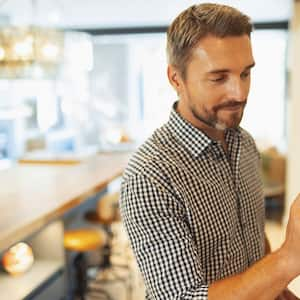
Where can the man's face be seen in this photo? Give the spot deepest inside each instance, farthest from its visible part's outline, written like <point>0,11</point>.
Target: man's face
<point>217,82</point>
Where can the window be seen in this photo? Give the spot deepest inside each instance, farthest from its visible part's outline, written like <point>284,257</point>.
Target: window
<point>265,114</point>
<point>135,88</point>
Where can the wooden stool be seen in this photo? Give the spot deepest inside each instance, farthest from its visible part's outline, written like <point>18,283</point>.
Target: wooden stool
<point>105,215</point>
<point>83,240</point>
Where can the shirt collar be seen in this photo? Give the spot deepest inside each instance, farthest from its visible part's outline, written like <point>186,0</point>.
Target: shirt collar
<point>192,138</point>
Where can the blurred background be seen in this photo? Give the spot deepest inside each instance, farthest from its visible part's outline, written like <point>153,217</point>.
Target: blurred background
<point>79,77</point>
<point>81,74</point>
<point>84,77</point>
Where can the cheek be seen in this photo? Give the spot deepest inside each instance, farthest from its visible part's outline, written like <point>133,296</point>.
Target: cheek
<point>212,96</point>
<point>203,95</point>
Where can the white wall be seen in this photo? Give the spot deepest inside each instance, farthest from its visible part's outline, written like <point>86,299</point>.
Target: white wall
<point>97,13</point>
<point>293,168</point>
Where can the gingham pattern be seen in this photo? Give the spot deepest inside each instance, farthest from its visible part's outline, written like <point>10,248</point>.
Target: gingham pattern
<point>193,214</point>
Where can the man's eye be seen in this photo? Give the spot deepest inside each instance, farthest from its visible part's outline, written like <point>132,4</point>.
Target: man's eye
<point>218,79</point>
<point>245,74</point>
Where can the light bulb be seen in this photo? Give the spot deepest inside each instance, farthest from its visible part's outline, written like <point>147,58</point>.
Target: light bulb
<point>18,259</point>
<point>2,53</point>
<point>50,52</point>
<point>23,49</point>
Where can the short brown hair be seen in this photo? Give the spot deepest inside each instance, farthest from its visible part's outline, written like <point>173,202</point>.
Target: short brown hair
<point>197,22</point>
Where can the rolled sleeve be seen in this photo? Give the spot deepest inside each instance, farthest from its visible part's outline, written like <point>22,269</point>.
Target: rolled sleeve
<point>156,223</point>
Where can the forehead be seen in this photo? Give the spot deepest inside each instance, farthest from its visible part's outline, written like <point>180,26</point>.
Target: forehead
<point>233,53</point>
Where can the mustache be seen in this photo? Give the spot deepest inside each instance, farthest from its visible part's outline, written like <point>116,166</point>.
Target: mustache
<point>230,104</point>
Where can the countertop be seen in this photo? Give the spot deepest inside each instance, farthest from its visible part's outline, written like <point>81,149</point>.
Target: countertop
<point>33,195</point>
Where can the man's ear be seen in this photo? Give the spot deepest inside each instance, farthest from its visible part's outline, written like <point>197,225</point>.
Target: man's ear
<point>174,78</point>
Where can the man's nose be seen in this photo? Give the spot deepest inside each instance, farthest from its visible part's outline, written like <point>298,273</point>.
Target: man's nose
<point>238,90</point>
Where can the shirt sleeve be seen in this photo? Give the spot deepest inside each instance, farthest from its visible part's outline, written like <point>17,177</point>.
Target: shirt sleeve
<point>156,223</point>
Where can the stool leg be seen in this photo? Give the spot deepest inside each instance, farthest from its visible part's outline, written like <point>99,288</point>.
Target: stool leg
<point>106,251</point>
<point>81,267</point>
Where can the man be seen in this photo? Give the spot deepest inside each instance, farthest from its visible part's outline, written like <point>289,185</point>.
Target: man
<point>192,198</point>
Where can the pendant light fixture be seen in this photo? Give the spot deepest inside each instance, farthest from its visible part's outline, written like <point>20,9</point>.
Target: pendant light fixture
<point>30,50</point>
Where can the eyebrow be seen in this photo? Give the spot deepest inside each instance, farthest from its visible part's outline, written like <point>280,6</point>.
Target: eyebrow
<point>217,71</point>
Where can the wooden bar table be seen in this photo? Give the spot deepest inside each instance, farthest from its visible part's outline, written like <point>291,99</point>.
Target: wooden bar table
<point>35,197</point>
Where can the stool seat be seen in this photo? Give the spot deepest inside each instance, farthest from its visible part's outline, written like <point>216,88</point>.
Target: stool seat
<point>93,217</point>
<point>83,240</point>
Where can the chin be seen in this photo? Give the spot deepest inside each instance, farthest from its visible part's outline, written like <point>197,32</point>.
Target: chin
<point>227,125</point>
<point>233,123</point>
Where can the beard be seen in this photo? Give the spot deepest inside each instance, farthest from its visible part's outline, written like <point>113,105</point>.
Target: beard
<point>210,117</point>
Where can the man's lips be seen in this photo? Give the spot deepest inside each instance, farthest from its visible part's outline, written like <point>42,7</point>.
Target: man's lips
<point>231,107</point>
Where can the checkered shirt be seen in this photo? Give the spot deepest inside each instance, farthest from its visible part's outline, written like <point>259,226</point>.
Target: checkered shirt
<point>193,214</point>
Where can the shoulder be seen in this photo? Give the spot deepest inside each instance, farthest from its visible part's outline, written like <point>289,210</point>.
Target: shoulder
<point>249,143</point>
<point>148,177</point>
<point>154,157</point>
<point>247,138</point>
